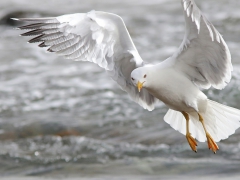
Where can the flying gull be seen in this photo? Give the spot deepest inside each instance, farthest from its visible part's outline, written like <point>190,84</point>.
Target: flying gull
<point>203,60</point>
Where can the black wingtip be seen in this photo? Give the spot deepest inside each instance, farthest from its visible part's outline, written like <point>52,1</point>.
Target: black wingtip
<point>43,45</point>
<point>33,32</point>
<point>36,39</point>
<point>50,50</point>
<point>32,26</point>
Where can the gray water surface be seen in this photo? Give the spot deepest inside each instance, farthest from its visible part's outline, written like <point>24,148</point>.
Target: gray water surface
<point>61,118</point>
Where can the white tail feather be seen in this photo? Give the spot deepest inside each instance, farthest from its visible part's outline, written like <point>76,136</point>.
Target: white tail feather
<point>221,121</point>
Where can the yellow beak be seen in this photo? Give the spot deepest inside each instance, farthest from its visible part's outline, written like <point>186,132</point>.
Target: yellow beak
<point>139,86</point>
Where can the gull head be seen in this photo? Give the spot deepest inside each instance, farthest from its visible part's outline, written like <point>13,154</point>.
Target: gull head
<point>139,77</point>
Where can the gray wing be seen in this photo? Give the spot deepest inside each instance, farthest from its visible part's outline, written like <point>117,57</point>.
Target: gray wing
<point>203,55</point>
<point>98,37</point>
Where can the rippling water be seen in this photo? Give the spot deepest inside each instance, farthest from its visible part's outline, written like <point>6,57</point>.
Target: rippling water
<point>65,118</point>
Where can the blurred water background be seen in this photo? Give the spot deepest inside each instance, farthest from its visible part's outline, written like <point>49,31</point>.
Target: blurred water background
<point>65,119</point>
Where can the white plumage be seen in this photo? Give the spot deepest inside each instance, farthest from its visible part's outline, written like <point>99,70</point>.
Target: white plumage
<point>202,60</point>
<point>203,54</point>
<point>220,120</point>
<point>98,37</point>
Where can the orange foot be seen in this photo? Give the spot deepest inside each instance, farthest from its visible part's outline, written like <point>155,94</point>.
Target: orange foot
<point>212,145</point>
<point>192,142</point>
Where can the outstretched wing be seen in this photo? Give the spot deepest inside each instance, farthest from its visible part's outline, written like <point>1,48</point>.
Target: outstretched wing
<point>98,37</point>
<point>203,54</point>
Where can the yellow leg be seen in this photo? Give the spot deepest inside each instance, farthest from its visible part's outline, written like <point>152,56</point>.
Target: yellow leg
<point>212,145</point>
<point>192,142</point>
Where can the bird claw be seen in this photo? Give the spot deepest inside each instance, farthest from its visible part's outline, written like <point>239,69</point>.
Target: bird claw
<point>192,142</point>
<point>212,145</point>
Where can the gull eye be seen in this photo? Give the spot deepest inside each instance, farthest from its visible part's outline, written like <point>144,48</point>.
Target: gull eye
<point>133,79</point>
<point>145,76</point>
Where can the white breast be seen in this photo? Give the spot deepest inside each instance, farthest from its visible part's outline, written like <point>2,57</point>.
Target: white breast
<point>176,90</point>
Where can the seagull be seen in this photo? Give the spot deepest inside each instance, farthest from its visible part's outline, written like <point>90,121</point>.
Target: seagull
<point>203,60</point>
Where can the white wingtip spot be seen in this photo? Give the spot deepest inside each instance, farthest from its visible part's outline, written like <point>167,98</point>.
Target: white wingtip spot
<point>15,19</point>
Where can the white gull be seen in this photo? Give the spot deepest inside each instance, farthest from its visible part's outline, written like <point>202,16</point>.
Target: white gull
<point>202,61</point>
